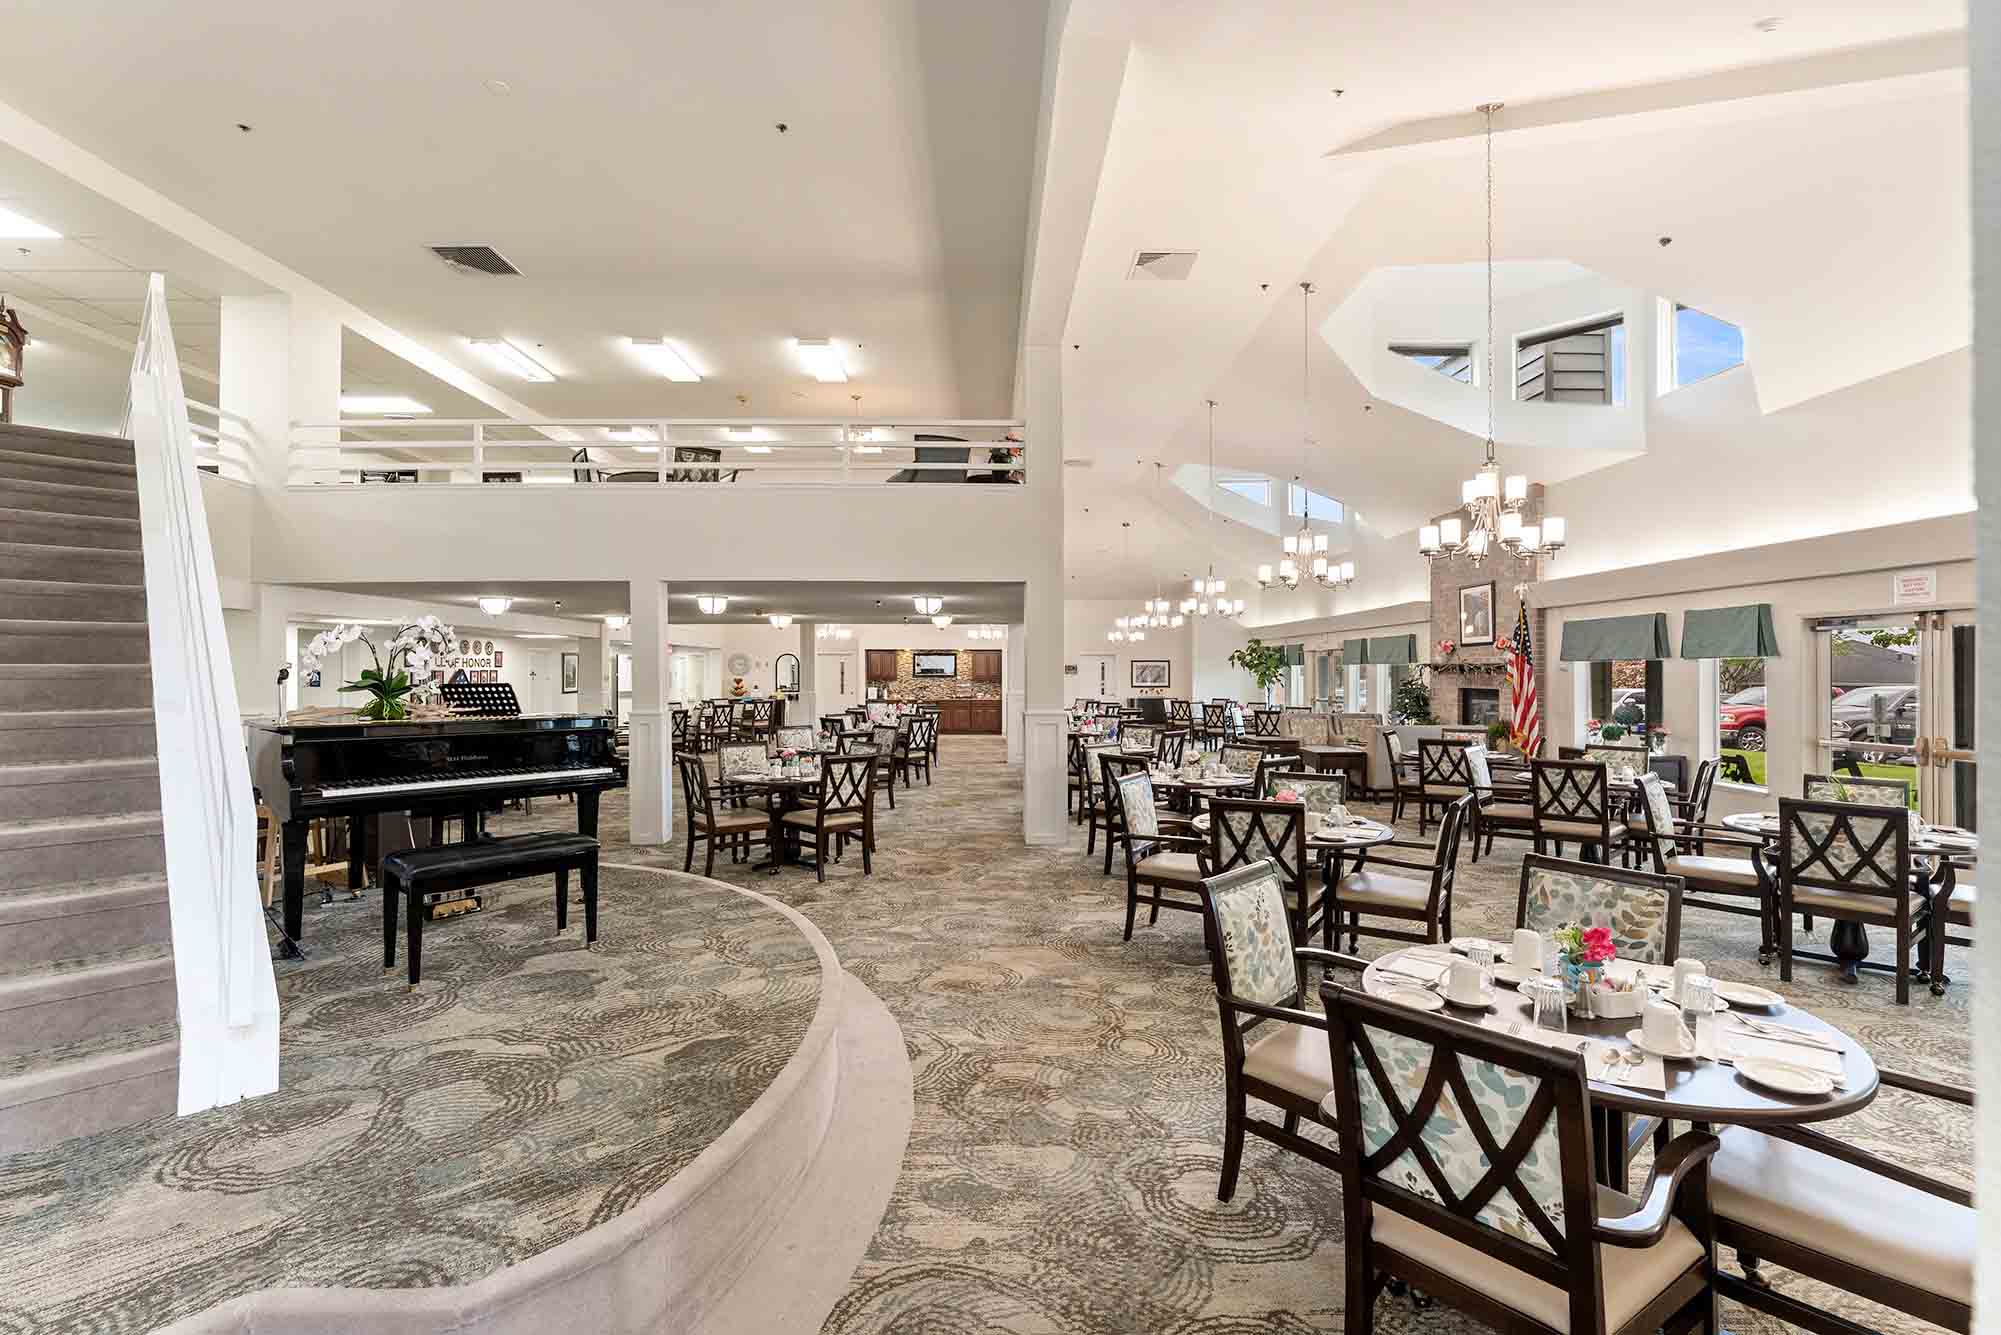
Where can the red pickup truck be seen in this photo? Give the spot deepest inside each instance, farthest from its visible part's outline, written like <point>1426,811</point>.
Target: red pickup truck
<point>1741,720</point>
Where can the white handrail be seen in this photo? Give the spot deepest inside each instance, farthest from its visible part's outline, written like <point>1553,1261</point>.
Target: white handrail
<point>227,996</point>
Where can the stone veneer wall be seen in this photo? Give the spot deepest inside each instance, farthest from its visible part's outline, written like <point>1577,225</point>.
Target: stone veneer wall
<point>1448,577</point>
<point>910,686</point>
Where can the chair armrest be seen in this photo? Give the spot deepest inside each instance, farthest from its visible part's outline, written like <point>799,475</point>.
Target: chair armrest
<point>1290,1014</point>
<point>1919,1085</point>
<point>1331,957</point>
<point>1369,860</point>
<point>1856,1157</point>
<point>1407,843</point>
<point>1645,1225</point>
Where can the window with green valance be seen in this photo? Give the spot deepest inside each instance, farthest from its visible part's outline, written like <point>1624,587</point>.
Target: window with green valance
<point>1295,655</point>
<point>1729,632</point>
<point>1393,649</point>
<point>1617,639</point>
<point>1354,653</point>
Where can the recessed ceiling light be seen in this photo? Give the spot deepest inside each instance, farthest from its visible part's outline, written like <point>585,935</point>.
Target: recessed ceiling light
<point>14,227</point>
<point>381,405</point>
<point>499,87</point>
<point>664,358</point>
<point>1770,24</point>
<point>780,619</point>
<point>494,604</point>
<point>506,357</point>
<point>617,622</point>
<point>822,359</point>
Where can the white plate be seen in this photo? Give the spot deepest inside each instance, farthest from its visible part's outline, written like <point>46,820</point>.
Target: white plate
<point>1417,998</point>
<point>1784,1076</point>
<point>1486,1005</point>
<point>1514,975</point>
<point>1720,1003</point>
<point>1637,1039</point>
<point>1462,944</point>
<point>1747,994</point>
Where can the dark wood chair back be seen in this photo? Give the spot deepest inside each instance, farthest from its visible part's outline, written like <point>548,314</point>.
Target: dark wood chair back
<point>1264,722</point>
<point>695,791</point>
<point>1172,747</point>
<point>1442,766</point>
<point>1181,713</point>
<point>923,732</point>
<point>1642,908</point>
<point>847,784</point>
<point>1575,791</point>
<point>1139,736</point>
<point>1216,718</point>
<point>680,729</point>
<point>762,712</point>
<point>832,724</point>
<point>1858,847</point>
<point>1242,832</point>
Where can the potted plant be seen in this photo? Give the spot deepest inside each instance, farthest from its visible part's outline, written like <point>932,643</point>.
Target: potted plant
<point>1265,663</point>
<point>393,681</point>
<point>1410,701</point>
<point>1611,732</point>
<point>1657,737</point>
<point>1497,735</point>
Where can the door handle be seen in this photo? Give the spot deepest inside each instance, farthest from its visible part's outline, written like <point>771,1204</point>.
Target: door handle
<point>1923,749</point>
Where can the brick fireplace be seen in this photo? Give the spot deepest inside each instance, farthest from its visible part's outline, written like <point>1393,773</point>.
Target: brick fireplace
<point>1472,681</point>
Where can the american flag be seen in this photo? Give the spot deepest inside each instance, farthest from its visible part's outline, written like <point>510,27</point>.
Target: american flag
<point>1526,725</point>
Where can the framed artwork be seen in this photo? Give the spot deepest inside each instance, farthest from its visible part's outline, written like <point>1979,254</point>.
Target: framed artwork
<point>1476,614</point>
<point>313,678</point>
<point>1151,672</point>
<point>569,674</point>
<point>498,655</point>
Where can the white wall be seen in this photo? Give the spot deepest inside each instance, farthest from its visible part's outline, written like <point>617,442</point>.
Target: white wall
<point>517,656</point>
<point>1085,624</point>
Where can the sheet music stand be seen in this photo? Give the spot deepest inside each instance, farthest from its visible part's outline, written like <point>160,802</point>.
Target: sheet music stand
<point>490,699</point>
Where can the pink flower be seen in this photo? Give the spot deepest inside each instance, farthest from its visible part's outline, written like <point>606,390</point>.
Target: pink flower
<point>1598,946</point>
<point>1287,795</point>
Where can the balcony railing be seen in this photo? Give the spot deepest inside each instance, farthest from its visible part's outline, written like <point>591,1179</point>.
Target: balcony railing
<point>666,452</point>
<point>221,441</point>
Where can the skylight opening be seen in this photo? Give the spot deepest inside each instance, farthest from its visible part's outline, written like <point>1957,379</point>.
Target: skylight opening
<point>1703,346</point>
<point>1454,361</point>
<point>1311,504</point>
<point>1256,490</point>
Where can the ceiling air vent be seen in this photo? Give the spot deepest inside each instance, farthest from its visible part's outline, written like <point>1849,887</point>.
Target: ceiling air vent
<point>1164,265</point>
<point>479,259</point>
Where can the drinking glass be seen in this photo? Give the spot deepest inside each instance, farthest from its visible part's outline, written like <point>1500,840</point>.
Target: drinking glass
<point>1546,1006</point>
<point>1698,1012</point>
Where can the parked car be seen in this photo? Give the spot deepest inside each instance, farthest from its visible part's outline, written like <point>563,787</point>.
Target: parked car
<point>1740,720</point>
<point>1884,715</point>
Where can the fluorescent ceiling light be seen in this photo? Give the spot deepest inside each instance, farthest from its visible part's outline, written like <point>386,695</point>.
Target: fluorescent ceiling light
<point>822,359</point>
<point>13,227</point>
<point>494,604</point>
<point>616,622</point>
<point>542,635</point>
<point>664,358</point>
<point>381,405</point>
<point>506,357</point>
<point>629,435</point>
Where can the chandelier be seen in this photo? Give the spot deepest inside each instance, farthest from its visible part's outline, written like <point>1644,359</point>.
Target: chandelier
<point>1304,554</point>
<point>1210,591</point>
<point>857,434</point>
<point>832,631</point>
<point>986,632</point>
<point>1493,504</point>
<point>1158,611</point>
<point>1129,630</point>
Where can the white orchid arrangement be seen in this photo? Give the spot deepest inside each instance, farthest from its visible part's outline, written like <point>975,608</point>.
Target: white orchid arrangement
<point>402,667</point>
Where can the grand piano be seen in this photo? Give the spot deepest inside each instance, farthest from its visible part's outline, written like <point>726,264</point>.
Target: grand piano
<point>436,767</point>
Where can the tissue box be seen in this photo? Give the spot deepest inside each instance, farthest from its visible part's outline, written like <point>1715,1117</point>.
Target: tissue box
<point>1608,1004</point>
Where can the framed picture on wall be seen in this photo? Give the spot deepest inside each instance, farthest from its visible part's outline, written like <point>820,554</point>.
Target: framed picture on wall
<point>569,674</point>
<point>1151,672</point>
<point>1476,614</point>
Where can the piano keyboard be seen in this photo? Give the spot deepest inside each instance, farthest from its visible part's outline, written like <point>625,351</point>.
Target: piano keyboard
<point>464,779</point>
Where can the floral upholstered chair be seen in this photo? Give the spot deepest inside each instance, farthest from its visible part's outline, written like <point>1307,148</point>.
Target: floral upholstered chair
<point>1642,909</point>
<point>794,739</point>
<point>1162,852</point>
<point>1466,1169</point>
<point>1849,861</point>
<point>1869,792</point>
<point>1139,737</point>
<point>1274,1050</point>
<point>1618,760</point>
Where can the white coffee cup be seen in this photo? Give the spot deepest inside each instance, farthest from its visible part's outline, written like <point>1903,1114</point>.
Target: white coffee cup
<point>1684,969</point>
<point>1526,951</point>
<point>1462,984</point>
<point>1660,1027</point>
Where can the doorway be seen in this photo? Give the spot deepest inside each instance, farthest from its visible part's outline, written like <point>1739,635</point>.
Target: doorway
<point>1899,695</point>
<point>836,684</point>
<point>541,682</point>
<point>1097,677</point>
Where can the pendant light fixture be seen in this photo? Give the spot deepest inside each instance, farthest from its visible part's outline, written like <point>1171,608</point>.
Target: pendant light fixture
<point>859,435</point>
<point>1210,595</point>
<point>928,605</point>
<point>1304,554</point>
<point>1161,614</point>
<point>712,604</point>
<point>1128,630</point>
<point>1493,504</point>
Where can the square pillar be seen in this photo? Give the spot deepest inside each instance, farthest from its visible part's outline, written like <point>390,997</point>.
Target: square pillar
<point>650,782</point>
<point>280,363</point>
<point>1013,694</point>
<point>807,709</point>
<point>1045,723</point>
<point>594,691</point>
<point>277,645</point>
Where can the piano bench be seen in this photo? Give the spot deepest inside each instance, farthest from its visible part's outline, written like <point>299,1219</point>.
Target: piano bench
<point>411,876</point>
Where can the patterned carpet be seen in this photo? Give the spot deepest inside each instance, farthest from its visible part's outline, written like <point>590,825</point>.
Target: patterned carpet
<point>1061,1175</point>
<point>526,1092</point>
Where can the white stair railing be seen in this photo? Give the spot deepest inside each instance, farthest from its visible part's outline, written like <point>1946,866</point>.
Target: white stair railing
<point>228,998</point>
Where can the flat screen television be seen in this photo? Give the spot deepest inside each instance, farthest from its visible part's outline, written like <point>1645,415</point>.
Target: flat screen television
<point>934,665</point>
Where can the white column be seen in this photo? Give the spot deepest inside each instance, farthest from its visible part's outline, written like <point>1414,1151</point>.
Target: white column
<point>1013,696</point>
<point>1044,723</point>
<point>277,643</point>
<point>594,672</point>
<point>806,711</point>
<point>650,785</point>
<point>279,364</point>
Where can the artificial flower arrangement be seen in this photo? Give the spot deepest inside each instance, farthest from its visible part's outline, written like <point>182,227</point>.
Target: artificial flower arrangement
<point>1585,951</point>
<point>1287,795</point>
<point>400,676</point>
<point>1447,648</point>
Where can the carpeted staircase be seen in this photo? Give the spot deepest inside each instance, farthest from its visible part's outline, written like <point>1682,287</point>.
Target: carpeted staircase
<point>87,1006</point>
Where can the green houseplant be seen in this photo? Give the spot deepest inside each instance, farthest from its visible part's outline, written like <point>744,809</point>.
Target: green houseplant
<point>395,680</point>
<point>1265,662</point>
<point>1410,700</point>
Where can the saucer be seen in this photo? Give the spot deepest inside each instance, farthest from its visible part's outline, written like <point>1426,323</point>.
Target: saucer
<point>1785,1077</point>
<point>1417,998</point>
<point>1637,1038</point>
<point>1487,1004</point>
<point>1514,975</point>
<point>1748,994</point>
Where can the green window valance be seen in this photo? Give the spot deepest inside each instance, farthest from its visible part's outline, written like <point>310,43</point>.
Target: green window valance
<point>1617,638</point>
<point>1729,632</point>
<point>1393,649</point>
<point>1354,653</point>
<point>1295,655</point>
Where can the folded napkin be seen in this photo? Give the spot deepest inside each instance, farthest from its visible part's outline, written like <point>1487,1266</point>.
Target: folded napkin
<point>1738,1045</point>
<point>1424,969</point>
<point>1599,1062</point>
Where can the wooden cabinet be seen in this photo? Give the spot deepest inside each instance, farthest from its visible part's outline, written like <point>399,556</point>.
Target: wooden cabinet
<point>881,665</point>
<point>986,666</point>
<point>969,716</point>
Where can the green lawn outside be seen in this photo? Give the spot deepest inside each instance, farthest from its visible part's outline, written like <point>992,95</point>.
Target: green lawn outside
<point>1756,760</point>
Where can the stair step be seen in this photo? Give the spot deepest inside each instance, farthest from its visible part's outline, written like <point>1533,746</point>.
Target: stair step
<point>54,852</point>
<point>69,498</point>
<point>49,560</point>
<point>51,790</point>
<point>56,922</point>
<point>23,641</point>
<point>53,468</point>
<point>36,737</point>
<point>65,444</point>
<point>108,531</point>
<point>110,1080</point>
<point>73,687</point>
<point>61,600</point>
<point>75,1000</point>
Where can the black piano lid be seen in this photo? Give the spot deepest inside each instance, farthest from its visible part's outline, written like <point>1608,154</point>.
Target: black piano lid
<point>330,729</point>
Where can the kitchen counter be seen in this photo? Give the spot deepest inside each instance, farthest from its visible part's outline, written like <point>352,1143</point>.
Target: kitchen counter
<point>966,714</point>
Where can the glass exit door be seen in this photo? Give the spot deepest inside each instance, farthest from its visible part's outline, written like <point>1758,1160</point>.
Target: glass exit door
<point>1900,705</point>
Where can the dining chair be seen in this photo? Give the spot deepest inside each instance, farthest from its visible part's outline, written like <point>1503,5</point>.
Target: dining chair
<point>799,738</point>
<point>678,730</point>
<point>1618,757</point>
<point>1869,792</point>
<point>1240,758</point>
<point>1171,747</point>
<point>918,745</point>
<point>1215,727</point>
<point>936,715</point>
<point>1181,713</point>
<point>1321,793</point>
<point>1950,907</point>
<point>1278,748</point>
<point>1840,1216</point>
<point>1642,909</point>
<point>1573,803</point>
<point>883,740</point>
<point>1402,772</point>
<point>738,758</point>
<point>1710,881</point>
<point>843,809</point>
<point>759,718</point>
<point>709,825</point>
<point>1243,831</point>
<point>708,728</point>
<point>1095,812</point>
<point>1265,721</point>
<point>1112,765</point>
<point>1849,862</point>
<point>1161,852</point>
<point>833,724</point>
<point>1139,737</point>
<point>1501,806</point>
<point>1275,1050</point>
<point>1466,1172</point>
<point>1376,887</point>
<point>1443,775</point>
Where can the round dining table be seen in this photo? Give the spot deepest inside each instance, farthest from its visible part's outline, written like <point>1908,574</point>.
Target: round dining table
<point>781,795</point>
<point>1699,1090</point>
